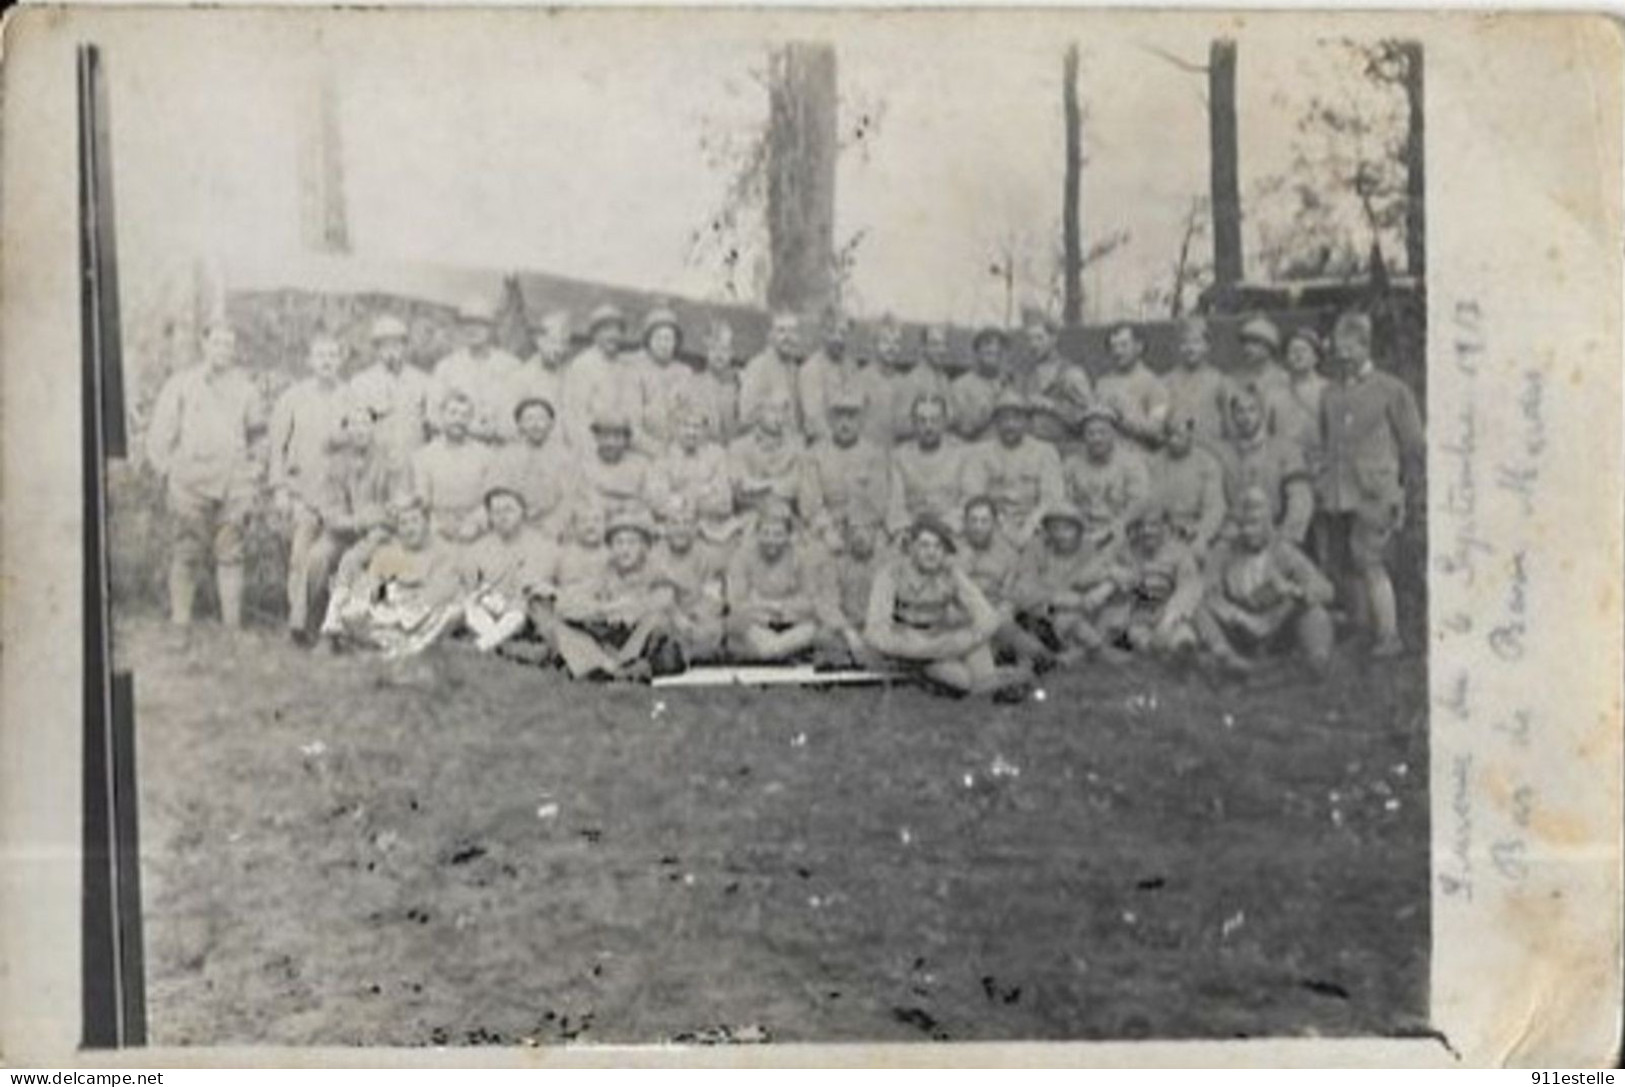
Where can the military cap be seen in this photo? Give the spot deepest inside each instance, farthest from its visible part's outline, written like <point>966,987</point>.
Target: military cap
<point>1261,330</point>
<point>1062,513</point>
<point>927,525</point>
<point>661,317</point>
<point>610,420</point>
<point>988,333</point>
<point>1010,399</point>
<point>628,518</point>
<point>608,313</point>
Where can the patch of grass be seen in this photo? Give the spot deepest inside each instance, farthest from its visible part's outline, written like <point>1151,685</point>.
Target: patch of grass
<point>478,853</point>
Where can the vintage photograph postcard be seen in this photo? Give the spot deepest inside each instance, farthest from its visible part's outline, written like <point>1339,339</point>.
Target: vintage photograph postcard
<point>750,536</point>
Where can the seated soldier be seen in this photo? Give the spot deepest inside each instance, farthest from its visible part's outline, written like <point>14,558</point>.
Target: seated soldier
<point>847,477</point>
<point>694,569</point>
<point>781,593</point>
<point>350,509</point>
<point>614,477</point>
<point>766,462</point>
<point>694,471</point>
<point>927,469</point>
<point>405,596</point>
<point>1104,480</point>
<point>1188,481</point>
<point>614,625</point>
<point>536,466</point>
<point>1150,588</point>
<point>503,569</point>
<point>1051,590</point>
<point>451,472</point>
<point>1021,474</point>
<point>1262,590</point>
<point>990,560</point>
<point>1252,457</point>
<point>925,612</point>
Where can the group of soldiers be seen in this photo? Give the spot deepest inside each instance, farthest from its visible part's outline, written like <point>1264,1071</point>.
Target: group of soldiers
<point>622,512</point>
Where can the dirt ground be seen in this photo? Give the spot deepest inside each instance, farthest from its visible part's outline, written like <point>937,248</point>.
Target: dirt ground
<point>335,853</point>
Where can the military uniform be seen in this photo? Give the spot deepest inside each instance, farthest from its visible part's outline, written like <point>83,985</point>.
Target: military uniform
<point>534,379</point>
<point>1058,392</point>
<point>452,478</point>
<point>541,474</point>
<point>399,403</point>
<point>404,600</point>
<point>500,575</point>
<point>991,568</point>
<point>822,381</point>
<point>610,489</point>
<point>695,577</point>
<point>897,390</point>
<point>927,483</point>
<point>1139,399</point>
<point>769,378</point>
<point>1275,466</point>
<point>971,397</point>
<point>1105,491</point>
<point>1372,433</point>
<point>596,387</point>
<point>844,484</point>
<point>486,378</point>
<point>1191,488</point>
<point>765,466</point>
<point>1154,596</point>
<point>701,480</point>
<point>1022,480</point>
<point>350,515</point>
<point>1198,395</point>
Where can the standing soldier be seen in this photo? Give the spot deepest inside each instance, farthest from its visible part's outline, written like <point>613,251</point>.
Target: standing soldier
<point>668,382</point>
<point>771,375</point>
<point>1195,388</point>
<point>198,443</point>
<point>1132,390</point>
<point>926,612</point>
<point>394,391</point>
<point>782,597</point>
<point>451,472</point>
<point>481,369</point>
<point>830,374</point>
<point>536,466</point>
<point>937,351</point>
<point>1104,480</point>
<point>1260,368</point>
<point>1254,458</point>
<point>901,382</point>
<point>305,428</point>
<point>846,479</point>
<point>1188,481</point>
<point>541,377</point>
<point>1300,419</point>
<point>1058,389</point>
<point>1375,456</point>
<point>972,396</point>
<point>599,384</point>
<point>927,472</point>
<point>718,386</point>
<point>1019,474</point>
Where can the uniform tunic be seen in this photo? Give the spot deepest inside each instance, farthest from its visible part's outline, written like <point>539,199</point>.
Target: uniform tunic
<point>305,422</point>
<point>198,436</point>
<point>764,465</point>
<point>1043,574</point>
<point>695,578</point>
<point>700,478</point>
<point>897,391</point>
<point>769,378</point>
<point>486,378</point>
<point>609,594</point>
<point>1255,581</point>
<point>796,587</point>
<point>1191,489</point>
<point>970,404</point>
<point>991,568</point>
<point>502,572</point>
<point>1163,586</point>
<point>717,395</point>
<point>399,403</point>
<point>1274,387</point>
<point>1021,480</point>
<point>1275,466</point>
<point>1058,392</point>
<point>452,479</point>
<point>1299,422</point>
<point>606,488</point>
<point>1139,398</point>
<point>1104,492</point>
<point>598,387</point>
<point>1371,430</point>
<point>542,474</point>
<point>534,379</point>
<point>1198,395</point>
<point>822,379</point>
<point>854,580</point>
<point>849,483</point>
<point>928,483</point>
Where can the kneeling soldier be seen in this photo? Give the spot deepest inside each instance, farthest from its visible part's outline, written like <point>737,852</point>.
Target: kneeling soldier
<point>1051,589</point>
<point>1262,589</point>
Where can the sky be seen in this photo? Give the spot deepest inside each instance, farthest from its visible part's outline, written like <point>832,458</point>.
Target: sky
<point>574,144</point>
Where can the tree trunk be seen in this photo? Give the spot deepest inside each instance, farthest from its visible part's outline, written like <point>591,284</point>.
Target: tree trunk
<point>1416,246</point>
<point>802,147</point>
<point>1071,230</point>
<point>325,221</point>
<point>1227,262</point>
